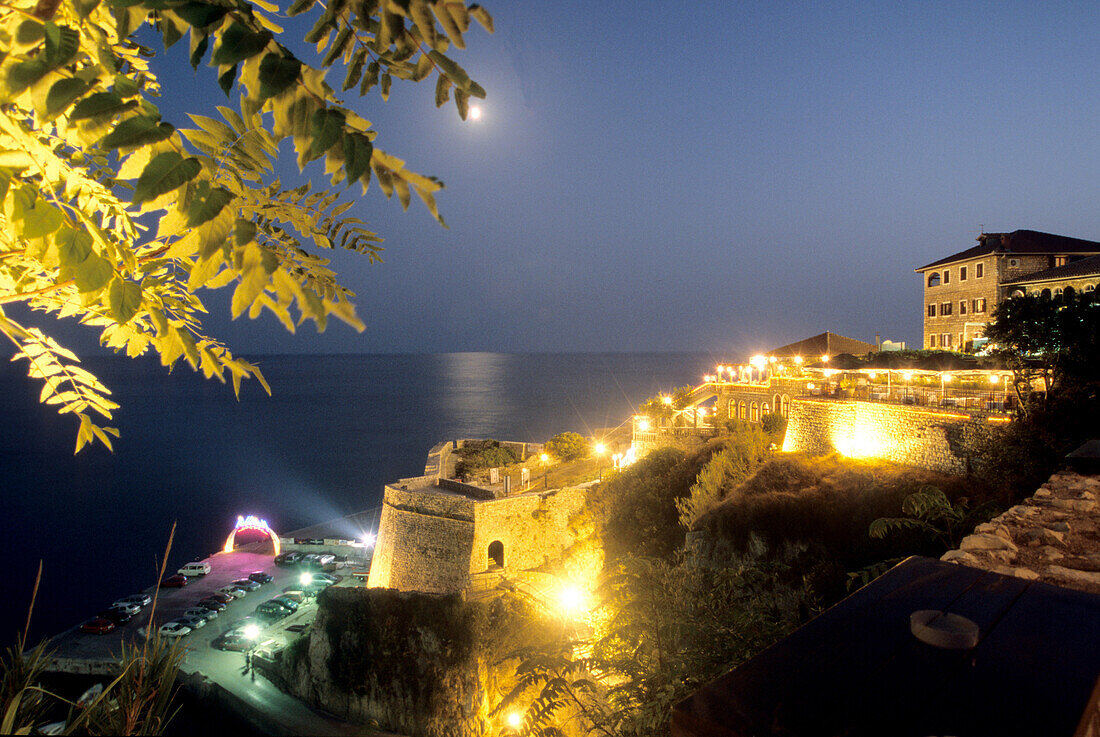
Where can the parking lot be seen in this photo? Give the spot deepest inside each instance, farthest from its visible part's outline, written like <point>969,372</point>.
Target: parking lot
<point>75,645</point>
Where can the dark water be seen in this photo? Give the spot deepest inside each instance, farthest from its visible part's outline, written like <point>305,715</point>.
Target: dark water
<point>337,428</point>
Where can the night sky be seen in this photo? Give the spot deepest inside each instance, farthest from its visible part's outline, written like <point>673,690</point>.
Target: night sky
<point>722,177</point>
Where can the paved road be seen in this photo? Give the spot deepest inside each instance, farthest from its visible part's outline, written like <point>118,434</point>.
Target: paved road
<point>286,714</point>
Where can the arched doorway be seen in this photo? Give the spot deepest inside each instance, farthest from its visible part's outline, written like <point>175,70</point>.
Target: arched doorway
<point>496,554</point>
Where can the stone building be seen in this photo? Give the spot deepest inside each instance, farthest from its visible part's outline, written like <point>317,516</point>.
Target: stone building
<point>1076,276</point>
<point>961,290</point>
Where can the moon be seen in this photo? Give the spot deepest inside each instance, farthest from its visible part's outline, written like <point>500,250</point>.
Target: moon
<point>475,113</point>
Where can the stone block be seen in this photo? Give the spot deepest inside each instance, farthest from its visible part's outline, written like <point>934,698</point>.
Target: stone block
<point>986,542</point>
<point>1048,554</point>
<point>1084,506</point>
<point>1075,576</point>
<point>1024,573</point>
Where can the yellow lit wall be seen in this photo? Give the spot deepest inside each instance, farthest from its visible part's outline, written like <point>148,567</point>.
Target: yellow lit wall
<point>914,436</point>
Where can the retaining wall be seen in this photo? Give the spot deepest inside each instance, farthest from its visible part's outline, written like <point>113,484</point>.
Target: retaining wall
<point>916,436</point>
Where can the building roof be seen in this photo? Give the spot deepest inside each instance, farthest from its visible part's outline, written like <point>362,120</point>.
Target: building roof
<point>1089,266</point>
<point>1019,242</point>
<point>874,665</point>
<point>826,343</point>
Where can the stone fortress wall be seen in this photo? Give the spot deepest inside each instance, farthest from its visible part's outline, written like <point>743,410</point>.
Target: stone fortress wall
<point>915,436</point>
<point>432,537</point>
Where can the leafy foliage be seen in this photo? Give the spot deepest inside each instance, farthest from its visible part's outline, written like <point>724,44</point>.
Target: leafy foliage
<point>116,218</point>
<point>664,628</point>
<point>931,512</point>
<point>1055,341</point>
<point>568,446</point>
<point>745,448</point>
<point>476,456</point>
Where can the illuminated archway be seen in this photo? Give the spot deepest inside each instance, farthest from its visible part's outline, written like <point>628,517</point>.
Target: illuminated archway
<point>251,523</point>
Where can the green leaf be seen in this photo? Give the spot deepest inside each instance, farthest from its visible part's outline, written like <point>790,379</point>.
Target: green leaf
<point>357,153</point>
<point>73,247</point>
<point>476,90</point>
<point>41,220</point>
<point>277,72</point>
<point>325,128</point>
<point>61,44</point>
<point>442,90</point>
<point>206,205</point>
<point>93,273</point>
<point>238,43</point>
<point>135,132</point>
<point>125,300</point>
<point>243,231</point>
<point>338,46</point>
<point>63,92</point>
<point>355,69</point>
<point>198,49</point>
<point>481,15</point>
<point>200,15</point>
<point>387,80</point>
<point>226,79</point>
<point>101,103</point>
<point>370,78</point>
<point>163,174</point>
<point>125,87</point>
<point>300,6</point>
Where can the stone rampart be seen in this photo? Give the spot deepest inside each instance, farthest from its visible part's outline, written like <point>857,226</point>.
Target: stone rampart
<point>533,528</point>
<point>424,540</point>
<point>916,436</point>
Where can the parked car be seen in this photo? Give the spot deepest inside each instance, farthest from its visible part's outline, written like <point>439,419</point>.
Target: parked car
<point>260,577</point>
<point>246,583</point>
<point>296,595</point>
<point>273,610</point>
<point>241,625</point>
<point>323,559</point>
<point>236,643</point>
<point>330,577</point>
<point>212,604</point>
<point>288,602</point>
<point>288,559</point>
<point>177,581</point>
<point>200,611</point>
<point>127,606</point>
<point>174,629</point>
<point>232,592</point>
<point>198,568</point>
<point>193,622</point>
<point>139,599</point>
<point>97,626</point>
<point>223,598</point>
<point>116,614</point>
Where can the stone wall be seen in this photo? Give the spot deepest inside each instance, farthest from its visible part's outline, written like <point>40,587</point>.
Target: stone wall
<point>915,436</point>
<point>1054,536</point>
<point>533,527</point>
<point>424,540</point>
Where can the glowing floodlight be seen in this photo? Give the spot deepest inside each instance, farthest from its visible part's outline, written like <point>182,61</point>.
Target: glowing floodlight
<point>994,379</point>
<point>666,400</point>
<point>306,578</point>
<point>572,600</point>
<point>370,539</point>
<point>947,377</point>
<point>798,359</point>
<point>251,523</point>
<point>251,631</point>
<point>600,449</point>
<point>643,425</point>
<point>825,358</point>
<point>515,720</point>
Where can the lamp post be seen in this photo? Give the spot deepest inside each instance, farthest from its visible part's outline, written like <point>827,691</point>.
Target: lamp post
<point>545,471</point>
<point>599,449</point>
<point>251,633</point>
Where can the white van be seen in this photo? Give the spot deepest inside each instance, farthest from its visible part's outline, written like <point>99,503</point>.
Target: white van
<point>195,569</point>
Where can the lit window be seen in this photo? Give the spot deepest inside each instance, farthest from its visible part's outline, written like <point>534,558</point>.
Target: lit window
<point>945,340</point>
<point>979,304</point>
<point>945,309</point>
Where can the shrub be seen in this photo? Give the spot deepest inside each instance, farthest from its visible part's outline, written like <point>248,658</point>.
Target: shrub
<point>744,448</point>
<point>568,446</point>
<point>476,456</point>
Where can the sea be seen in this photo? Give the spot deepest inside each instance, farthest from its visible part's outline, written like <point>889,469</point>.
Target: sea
<point>190,453</point>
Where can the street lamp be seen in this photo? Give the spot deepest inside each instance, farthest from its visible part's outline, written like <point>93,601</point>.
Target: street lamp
<point>251,633</point>
<point>545,470</point>
<point>600,449</point>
